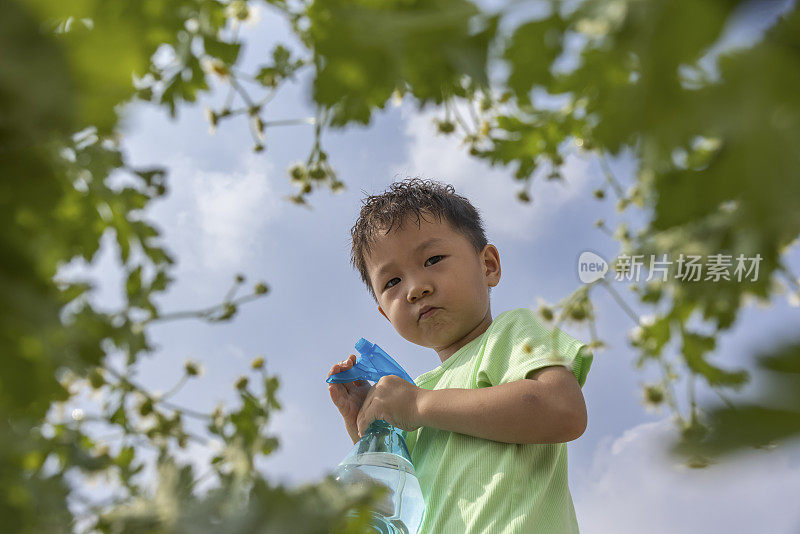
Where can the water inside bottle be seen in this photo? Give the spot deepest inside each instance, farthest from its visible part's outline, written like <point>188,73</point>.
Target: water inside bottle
<point>402,508</point>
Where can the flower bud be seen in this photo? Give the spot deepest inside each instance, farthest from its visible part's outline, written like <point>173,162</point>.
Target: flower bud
<point>297,172</point>
<point>96,379</point>
<point>577,313</point>
<point>446,127</point>
<point>146,408</point>
<point>191,368</point>
<point>317,173</point>
<point>653,394</point>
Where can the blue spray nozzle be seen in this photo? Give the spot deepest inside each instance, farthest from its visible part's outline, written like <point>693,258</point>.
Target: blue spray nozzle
<point>372,364</point>
<point>362,346</point>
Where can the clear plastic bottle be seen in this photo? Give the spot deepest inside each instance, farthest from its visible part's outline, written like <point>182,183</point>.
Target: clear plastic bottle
<point>381,456</point>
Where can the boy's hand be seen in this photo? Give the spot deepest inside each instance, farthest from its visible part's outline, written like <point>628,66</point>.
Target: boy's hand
<point>394,400</point>
<point>348,396</point>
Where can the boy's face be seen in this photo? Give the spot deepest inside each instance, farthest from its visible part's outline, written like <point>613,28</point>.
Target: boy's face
<point>433,265</point>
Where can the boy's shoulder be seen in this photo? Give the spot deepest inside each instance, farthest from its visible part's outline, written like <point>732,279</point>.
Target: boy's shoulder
<point>516,317</point>
<point>523,339</point>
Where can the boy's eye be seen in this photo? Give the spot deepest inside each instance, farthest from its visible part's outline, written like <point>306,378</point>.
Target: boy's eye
<point>432,257</point>
<point>437,258</point>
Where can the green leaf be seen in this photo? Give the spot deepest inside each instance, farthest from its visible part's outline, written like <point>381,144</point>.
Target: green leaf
<point>694,347</point>
<point>364,50</point>
<point>653,337</point>
<point>119,417</point>
<point>227,52</point>
<point>161,281</point>
<point>125,457</point>
<point>785,359</point>
<point>531,50</point>
<point>133,286</point>
<point>742,426</point>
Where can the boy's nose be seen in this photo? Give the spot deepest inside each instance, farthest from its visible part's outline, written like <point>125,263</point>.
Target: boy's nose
<point>418,291</point>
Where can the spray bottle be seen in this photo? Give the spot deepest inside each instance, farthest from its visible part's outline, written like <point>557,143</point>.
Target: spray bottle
<point>381,456</point>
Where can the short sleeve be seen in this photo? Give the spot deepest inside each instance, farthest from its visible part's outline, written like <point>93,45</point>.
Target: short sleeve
<point>520,343</point>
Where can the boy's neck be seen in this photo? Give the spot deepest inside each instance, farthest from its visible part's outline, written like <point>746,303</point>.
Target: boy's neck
<point>446,352</point>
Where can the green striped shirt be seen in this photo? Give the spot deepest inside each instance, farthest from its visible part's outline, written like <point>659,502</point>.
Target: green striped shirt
<point>473,485</point>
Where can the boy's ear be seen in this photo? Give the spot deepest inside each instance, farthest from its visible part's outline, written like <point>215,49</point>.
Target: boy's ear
<point>491,261</point>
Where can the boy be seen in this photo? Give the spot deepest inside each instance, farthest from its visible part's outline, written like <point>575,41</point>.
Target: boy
<point>487,428</point>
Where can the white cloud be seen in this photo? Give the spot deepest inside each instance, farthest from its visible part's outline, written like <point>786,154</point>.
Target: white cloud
<point>492,190</point>
<point>633,486</point>
<point>216,221</point>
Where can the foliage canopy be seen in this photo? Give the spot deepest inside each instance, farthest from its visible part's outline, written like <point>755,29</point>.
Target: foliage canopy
<point>717,175</point>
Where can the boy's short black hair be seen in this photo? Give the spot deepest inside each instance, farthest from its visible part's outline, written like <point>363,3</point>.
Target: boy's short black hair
<point>406,197</point>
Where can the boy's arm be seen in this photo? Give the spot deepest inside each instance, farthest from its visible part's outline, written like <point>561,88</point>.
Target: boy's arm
<point>545,407</point>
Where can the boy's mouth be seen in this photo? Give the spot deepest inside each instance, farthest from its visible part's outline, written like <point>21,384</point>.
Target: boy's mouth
<point>427,311</point>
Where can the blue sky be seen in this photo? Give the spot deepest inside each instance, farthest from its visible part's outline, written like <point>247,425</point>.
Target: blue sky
<point>225,215</point>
